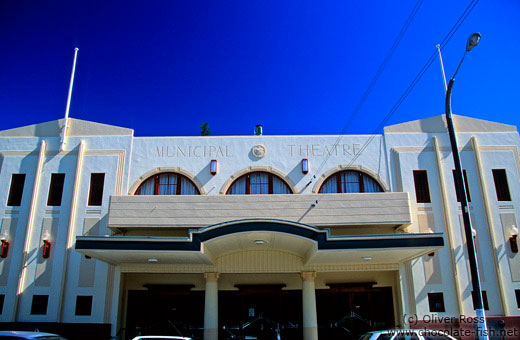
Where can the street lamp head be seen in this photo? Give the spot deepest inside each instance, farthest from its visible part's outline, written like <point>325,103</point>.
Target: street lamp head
<point>472,41</point>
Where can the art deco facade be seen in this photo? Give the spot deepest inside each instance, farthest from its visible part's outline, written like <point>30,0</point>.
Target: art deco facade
<point>261,236</point>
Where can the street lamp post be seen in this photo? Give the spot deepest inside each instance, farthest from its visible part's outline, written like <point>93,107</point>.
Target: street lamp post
<point>481,331</point>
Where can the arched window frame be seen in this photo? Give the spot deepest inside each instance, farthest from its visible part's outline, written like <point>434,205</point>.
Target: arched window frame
<point>270,185</point>
<point>339,182</point>
<point>157,184</point>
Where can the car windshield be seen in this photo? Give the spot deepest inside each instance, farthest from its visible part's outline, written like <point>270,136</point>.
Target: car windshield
<point>385,337</point>
<point>365,337</point>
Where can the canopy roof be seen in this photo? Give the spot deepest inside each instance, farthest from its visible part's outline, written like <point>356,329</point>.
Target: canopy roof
<point>313,245</point>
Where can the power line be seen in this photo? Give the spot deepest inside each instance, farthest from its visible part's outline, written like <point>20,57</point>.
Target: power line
<point>418,77</point>
<point>380,70</point>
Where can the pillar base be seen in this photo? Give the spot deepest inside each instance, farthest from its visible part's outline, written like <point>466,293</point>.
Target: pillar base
<point>310,333</point>
<point>212,334</point>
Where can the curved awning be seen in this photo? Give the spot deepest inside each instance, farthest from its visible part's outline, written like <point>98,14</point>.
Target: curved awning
<point>314,245</point>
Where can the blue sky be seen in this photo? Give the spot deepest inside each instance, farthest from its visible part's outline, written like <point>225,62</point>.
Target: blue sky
<point>296,67</point>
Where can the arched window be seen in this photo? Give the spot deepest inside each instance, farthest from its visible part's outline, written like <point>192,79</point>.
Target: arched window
<point>349,181</point>
<point>168,183</point>
<point>259,183</point>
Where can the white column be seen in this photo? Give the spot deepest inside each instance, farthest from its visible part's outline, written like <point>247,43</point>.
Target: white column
<point>211,307</point>
<point>29,232</point>
<point>404,314</point>
<point>491,228</point>
<point>457,286</point>
<point>310,319</point>
<point>71,233</point>
<point>116,303</point>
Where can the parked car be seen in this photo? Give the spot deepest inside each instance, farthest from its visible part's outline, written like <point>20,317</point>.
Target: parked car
<point>407,334</point>
<point>160,337</point>
<point>14,335</point>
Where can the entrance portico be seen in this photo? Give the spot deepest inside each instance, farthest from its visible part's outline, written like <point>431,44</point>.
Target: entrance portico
<point>260,252</point>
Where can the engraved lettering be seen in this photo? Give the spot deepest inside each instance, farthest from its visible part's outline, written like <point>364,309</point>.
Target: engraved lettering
<point>179,151</point>
<point>327,150</point>
<point>331,150</point>
<point>160,151</point>
<point>346,149</point>
<point>306,150</point>
<point>315,149</point>
<point>194,151</point>
<point>291,148</point>
<point>189,151</point>
<point>212,149</point>
<point>356,148</point>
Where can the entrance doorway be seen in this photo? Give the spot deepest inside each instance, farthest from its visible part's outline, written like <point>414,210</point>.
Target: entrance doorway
<point>346,311</point>
<point>165,310</point>
<point>262,312</point>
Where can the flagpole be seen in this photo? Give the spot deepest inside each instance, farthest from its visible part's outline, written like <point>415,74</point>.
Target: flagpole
<point>442,68</point>
<point>66,120</point>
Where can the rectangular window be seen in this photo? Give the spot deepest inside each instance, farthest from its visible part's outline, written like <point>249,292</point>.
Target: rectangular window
<point>56,190</point>
<point>484,299</point>
<point>436,302</point>
<point>422,190</point>
<point>2,298</point>
<point>517,293</point>
<point>259,183</point>
<point>95,195</point>
<point>16,190</point>
<point>83,305</point>
<point>501,186</point>
<point>468,196</point>
<point>39,304</point>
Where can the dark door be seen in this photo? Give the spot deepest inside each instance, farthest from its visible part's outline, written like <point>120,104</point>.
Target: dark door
<point>172,310</point>
<point>347,311</point>
<point>260,312</point>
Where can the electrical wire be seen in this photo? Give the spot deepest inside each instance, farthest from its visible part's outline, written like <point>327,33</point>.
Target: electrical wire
<point>380,70</point>
<point>418,77</point>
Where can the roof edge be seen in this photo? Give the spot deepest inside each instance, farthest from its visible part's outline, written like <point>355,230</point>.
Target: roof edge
<point>76,128</point>
<point>437,124</point>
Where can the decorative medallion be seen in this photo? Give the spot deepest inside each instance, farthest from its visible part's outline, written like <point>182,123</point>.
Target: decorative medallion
<point>259,151</point>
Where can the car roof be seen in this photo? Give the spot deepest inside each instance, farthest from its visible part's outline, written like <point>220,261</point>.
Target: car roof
<point>161,337</point>
<point>26,334</point>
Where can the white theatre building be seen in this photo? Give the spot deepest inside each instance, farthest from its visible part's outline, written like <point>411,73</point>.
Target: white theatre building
<point>257,237</point>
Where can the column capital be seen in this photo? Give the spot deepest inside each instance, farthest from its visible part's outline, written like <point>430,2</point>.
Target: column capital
<point>211,277</point>
<point>308,276</point>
